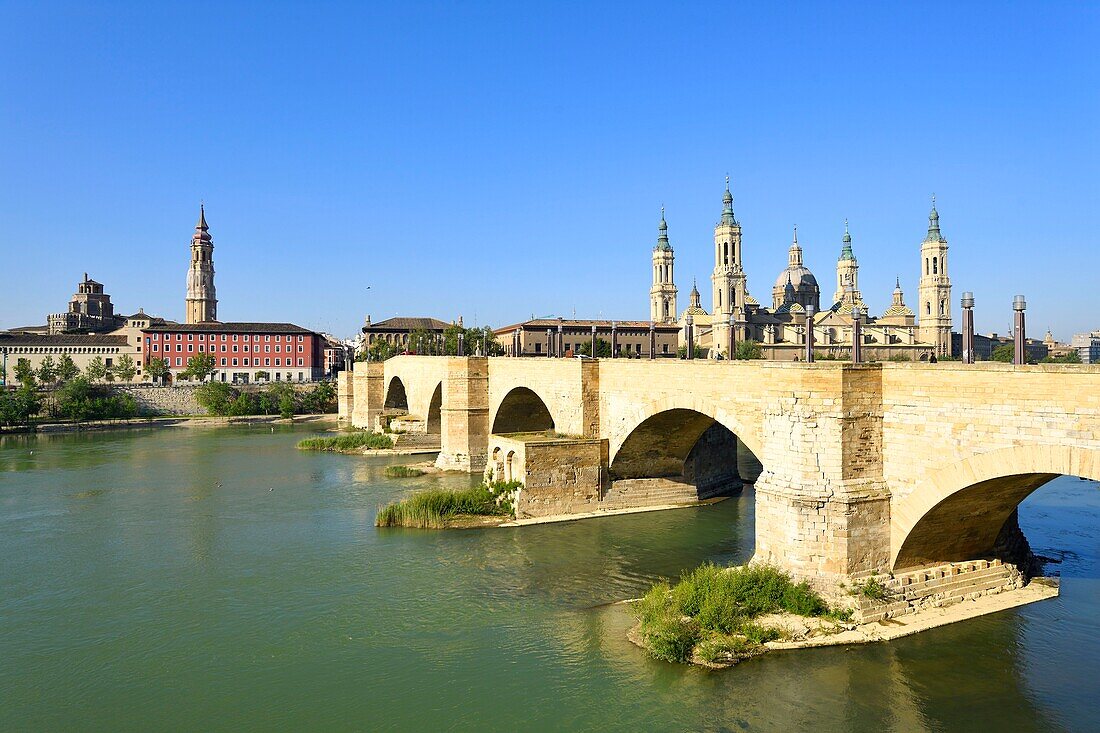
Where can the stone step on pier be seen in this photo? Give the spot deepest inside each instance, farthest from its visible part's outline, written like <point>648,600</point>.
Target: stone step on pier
<point>416,441</point>
<point>641,492</point>
<point>939,586</point>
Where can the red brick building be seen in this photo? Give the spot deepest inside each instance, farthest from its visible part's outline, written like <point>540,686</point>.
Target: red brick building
<point>287,353</point>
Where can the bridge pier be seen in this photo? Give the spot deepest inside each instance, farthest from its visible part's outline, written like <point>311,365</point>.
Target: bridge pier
<point>464,426</point>
<point>361,392</point>
<point>822,505</point>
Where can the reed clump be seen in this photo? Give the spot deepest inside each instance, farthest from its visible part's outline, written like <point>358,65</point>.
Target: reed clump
<point>349,443</point>
<point>437,508</point>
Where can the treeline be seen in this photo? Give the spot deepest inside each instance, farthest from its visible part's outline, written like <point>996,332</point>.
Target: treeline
<point>280,398</point>
<point>428,343</point>
<point>76,399</point>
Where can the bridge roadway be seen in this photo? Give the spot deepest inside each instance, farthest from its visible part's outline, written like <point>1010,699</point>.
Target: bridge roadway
<point>866,467</point>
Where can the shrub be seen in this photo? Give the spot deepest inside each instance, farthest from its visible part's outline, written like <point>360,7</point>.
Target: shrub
<point>899,357</point>
<point>722,603</point>
<point>873,589</point>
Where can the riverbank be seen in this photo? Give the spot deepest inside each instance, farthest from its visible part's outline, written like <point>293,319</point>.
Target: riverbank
<point>164,422</point>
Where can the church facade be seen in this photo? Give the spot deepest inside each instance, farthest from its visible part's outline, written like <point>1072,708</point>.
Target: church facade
<point>780,327</point>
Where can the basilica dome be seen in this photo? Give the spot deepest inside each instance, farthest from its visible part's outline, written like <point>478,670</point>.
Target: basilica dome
<point>799,276</point>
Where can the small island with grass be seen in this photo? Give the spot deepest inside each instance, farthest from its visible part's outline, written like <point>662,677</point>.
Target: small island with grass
<point>488,504</point>
<point>716,616</point>
<point>401,471</point>
<point>348,443</point>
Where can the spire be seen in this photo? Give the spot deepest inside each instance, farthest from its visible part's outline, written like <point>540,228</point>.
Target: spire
<point>202,231</point>
<point>794,254</point>
<point>899,299</point>
<point>662,233</point>
<point>846,251</point>
<point>695,298</point>
<point>934,224</point>
<point>727,206</point>
<point>788,289</point>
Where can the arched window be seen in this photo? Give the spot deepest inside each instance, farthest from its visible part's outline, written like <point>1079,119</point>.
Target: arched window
<point>943,307</point>
<point>928,308</point>
<point>935,270</point>
<point>719,298</point>
<point>925,265</point>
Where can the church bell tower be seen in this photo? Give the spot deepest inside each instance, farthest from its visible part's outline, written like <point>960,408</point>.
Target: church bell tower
<point>202,300</point>
<point>729,290</point>
<point>934,319</point>
<point>662,295</point>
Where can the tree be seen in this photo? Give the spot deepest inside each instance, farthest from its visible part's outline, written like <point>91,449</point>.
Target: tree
<point>200,367</point>
<point>96,370</point>
<point>748,350</point>
<point>379,350</point>
<point>66,369</point>
<point>700,352</point>
<point>157,369</point>
<point>425,342</point>
<point>23,372</point>
<point>262,376</point>
<point>216,397</point>
<point>125,369</point>
<point>603,348</point>
<point>320,399</point>
<point>1005,353</point>
<point>47,370</point>
<point>17,407</point>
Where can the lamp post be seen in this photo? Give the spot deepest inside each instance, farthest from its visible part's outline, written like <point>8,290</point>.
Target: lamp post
<point>809,334</point>
<point>652,341</point>
<point>614,340</point>
<point>561,343</point>
<point>857,335</point>
<point>461,344</point>
<point>1020,354</point>
<point>690,348</point>
<point>968,327</point>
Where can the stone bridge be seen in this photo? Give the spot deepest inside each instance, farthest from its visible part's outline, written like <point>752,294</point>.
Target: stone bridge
<point>865,467</point>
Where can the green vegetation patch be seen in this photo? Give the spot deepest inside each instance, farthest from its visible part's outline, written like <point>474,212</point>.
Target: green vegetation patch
<point>402,472</point>
<point>710,613</point>
<point>349,443</point>
<point>438,508</point>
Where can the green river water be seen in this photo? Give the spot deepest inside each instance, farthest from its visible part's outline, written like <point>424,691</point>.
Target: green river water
<point>218,579</point>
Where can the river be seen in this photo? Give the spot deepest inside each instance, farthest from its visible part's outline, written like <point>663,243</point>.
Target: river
<point>219,579</point>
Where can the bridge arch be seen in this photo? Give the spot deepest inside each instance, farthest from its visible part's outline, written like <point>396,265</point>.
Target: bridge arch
<point>746,431</point>
<point>958,512</point>
<point>434,421</point>
<point>396,397</point>
<point>697,446</point>
<point>522,411</point>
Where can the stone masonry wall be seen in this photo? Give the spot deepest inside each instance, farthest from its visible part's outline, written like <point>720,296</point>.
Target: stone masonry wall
<point>163,400</point>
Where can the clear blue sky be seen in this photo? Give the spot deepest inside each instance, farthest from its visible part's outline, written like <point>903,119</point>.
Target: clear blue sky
<point>503,160</point>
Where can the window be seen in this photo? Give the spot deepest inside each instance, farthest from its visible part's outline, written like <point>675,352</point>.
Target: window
<point>224,347</point>
<point>190,337</point>
<point>935,269</point>
<point>223,361</point>
<point>267,349</point>
<point>190,348</point>
<point>276,348</point>
<point>538,347</point>
<point>179,347</point>
<point>301,338</point>
<point>928,308</point>
<point>246,361</point>
<point>267,338</point>
<point>267,361</point>
<point>301,362</point>
<point>179,361</point>
<point>301,349</point>
<point>234,348</point>
<point>179,337</point>
<point>664,348</point>
<point>943,307</point>
<point>234,361</point>
<point>155,346</point>
<point>246,347</point>
<point>276,361</point>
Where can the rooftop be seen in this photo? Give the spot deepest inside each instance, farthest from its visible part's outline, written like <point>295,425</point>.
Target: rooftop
<point>401,323</point>
<point>61,339</point>
<point>543,323</point>
<point>215,327</point>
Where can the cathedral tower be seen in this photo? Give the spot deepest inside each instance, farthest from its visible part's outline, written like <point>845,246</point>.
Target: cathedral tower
<point>847,274</point>
<point>729,289</point>
<point>934,324</point>
<point>202,301</point>
<point>662,296</point>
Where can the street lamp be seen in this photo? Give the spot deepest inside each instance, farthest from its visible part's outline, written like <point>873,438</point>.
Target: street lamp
<point>1020,352</point>
<point>968,327</point>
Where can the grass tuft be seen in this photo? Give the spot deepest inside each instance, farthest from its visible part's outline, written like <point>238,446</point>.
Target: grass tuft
<point>348,443</point>
<point>711,612</point>
<point>433,508</point>
<point>402,472</point>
